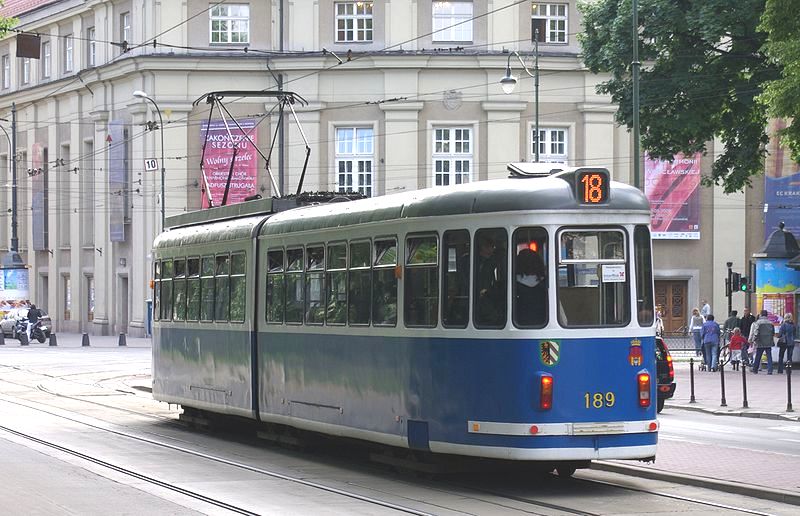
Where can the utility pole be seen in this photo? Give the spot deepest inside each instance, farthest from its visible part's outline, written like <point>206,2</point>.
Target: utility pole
<point>635,69</point>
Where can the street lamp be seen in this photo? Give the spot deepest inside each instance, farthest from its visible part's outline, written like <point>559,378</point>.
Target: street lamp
<point>139,94</point>
<point>509,82</point>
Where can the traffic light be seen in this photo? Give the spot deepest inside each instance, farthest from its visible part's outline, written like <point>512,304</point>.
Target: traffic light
<point>744,284</point>
<point>736,281</point>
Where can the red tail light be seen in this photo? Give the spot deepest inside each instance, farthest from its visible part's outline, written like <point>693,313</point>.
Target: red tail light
<point>546,392</point>
<point>643,380</point>
<point>671,369</point>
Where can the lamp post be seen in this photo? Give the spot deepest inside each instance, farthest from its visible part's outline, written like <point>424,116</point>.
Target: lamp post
<point>139,94</point>
<point>508,82</point>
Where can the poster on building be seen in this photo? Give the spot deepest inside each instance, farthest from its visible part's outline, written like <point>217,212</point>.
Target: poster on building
<point>38,176</point>
<point>781,187</point>
<point>14,290</point>
<point>117,180</point>
<point>218,156</point>
<point>673,189</point>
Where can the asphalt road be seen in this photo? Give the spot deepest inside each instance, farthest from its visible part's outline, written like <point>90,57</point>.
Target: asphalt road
<point>766,435</point>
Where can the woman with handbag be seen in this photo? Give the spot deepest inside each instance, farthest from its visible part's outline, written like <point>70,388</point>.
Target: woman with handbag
<point>786,340</point>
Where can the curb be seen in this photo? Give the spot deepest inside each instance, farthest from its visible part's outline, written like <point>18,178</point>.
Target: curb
<point>737,413</point>
<point>764,493</point>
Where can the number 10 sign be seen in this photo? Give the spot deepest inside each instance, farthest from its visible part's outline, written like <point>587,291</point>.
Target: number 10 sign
<point>150,165</point>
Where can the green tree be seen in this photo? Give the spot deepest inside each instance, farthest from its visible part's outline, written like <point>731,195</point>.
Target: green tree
<point>703,70</point>
<point>781,21</point>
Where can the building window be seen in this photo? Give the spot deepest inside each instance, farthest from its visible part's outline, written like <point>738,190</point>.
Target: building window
<point>26,70</point>
<point>452,21</point>
<point>452,155</point>
<point>230,24</point>
<point>67,298</point>
<point>68,61</point>
<point>551,21</point>
<point>90,298</point>
<point>46,59</point>
<point>6,71</point>
<point>353,21</point>
<point>125,27</point>
<point>91,58</point>
<point>552,145</point>
<point>354,159</point>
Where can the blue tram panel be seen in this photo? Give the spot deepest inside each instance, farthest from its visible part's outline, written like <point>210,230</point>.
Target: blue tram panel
<point>257,315</point>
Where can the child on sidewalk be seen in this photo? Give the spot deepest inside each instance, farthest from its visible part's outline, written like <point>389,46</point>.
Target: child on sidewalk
<point>736,344</point>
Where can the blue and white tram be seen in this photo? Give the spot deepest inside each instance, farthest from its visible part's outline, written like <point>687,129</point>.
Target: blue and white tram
<point>509,319</point>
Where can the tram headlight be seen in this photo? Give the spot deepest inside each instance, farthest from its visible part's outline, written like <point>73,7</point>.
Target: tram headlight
<point>643,380</point>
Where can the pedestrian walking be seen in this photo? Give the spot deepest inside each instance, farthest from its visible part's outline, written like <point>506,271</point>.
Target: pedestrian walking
<point>696,328</point>
<point>746,324</point>
<point>705,311</point>
<point>730,323</point>
<point>711,336</point>
<point>786,335</point>
<point>738,344</point>
<point>764,335</point>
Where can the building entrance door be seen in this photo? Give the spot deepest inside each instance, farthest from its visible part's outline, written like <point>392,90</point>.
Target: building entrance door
<point>671,297</point>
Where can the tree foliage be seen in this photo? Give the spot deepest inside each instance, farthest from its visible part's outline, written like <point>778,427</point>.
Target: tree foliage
<point>702,72</point>
<point>781,21</point>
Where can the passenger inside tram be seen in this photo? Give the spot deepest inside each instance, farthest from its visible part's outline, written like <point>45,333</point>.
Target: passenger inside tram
<point>530,289</point>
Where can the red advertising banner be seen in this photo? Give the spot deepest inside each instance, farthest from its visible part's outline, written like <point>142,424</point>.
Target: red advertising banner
<point>218,156</point>
<point>673,189</point>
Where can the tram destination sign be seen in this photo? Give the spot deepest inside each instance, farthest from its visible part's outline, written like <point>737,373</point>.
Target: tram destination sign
<point>592,186</point>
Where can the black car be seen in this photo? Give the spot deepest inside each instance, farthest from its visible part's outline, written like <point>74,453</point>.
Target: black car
<point>665,373</point>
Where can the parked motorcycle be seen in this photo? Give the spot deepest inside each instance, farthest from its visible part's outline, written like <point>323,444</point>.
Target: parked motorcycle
<point>21,330</point>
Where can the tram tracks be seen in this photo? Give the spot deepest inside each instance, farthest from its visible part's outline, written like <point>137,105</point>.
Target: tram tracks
<point>499,498</point>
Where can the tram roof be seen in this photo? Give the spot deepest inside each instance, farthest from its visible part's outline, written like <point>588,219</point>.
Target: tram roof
<point>550,193</point>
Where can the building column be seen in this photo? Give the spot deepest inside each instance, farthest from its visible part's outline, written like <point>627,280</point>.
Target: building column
<point>103,275</point>
<point>309,117</point>
<point>402,123</point>
<point>598,141</point>
<point>503,137</point>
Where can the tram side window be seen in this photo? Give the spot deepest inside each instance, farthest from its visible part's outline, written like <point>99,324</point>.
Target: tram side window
<point>593,288</point>
<point>491,278</point>
<point>275,286</point>
<point>359,283</point>
<point>222,293</point>
<point>455,279</point>
<point>294,286</point>
<point>238,287</point>
<point>530,309</point>
<point>315,283</point>
<point>207,288</point>
<point>384,283</point>
<point>166,290</point>
<point>336,281</point>
<point>644,276</point>
<point>157,291</point>
<point>179,286</point>
<point>193,289</point>
<point>422,281</point>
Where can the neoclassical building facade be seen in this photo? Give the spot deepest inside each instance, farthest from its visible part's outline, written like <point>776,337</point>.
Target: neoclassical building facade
<point>402,95</point>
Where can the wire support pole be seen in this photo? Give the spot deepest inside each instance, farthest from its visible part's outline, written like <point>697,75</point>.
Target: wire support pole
<point>635,65</point>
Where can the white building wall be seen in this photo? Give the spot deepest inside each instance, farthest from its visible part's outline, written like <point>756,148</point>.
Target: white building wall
<point>401,94</point>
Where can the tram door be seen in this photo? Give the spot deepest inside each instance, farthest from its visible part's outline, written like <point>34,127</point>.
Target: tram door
<point>671,297</point>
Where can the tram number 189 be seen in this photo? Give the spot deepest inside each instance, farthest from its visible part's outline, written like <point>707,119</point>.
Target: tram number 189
<point>599,399</point>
